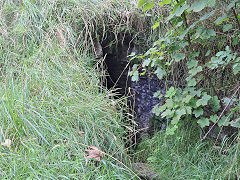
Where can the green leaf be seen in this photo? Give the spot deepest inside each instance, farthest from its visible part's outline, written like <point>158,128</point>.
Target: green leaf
<point>135,76</point>
<point>178,56</point>
<point>211,32</point>
<point>208,53</point>
<point>192,63</point>
<point>163,108</point>
<point>148,6</point>
<point>235,41</point>
<point>169,103</point>
<point>216,103</point>
<point>193,92</point>
<point>224,121</point>
<point>195,70</point>
<point>189,109</point>
<point>158,94</point>
<point>227,27</point>
<point>198,6</point>
<point>192,82</point>
<point>175,119</point>
<point>171,92</point>
<point>203,122</point>
<point>211,3</point>
<point>141,3</point>
<point>171,130</point>
<point>146,62</point>
<point>187,99</point>
<point>235,123</point>
<point>203,101</point>
<point>236,68</point>
<point>213,118</point>
<point>206,16</point>
<point>198,112</point>
<point>167,112</point>
<point>160,73</point>
<point>221,19</point>
<point>181,112</point>
<point>156,110</point>
<point>231,5</point>
<point>180,10</point>
<point>233,110</point>
<point>163,2</point>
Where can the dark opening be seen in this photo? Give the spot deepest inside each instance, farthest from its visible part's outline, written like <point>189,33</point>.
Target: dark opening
<point>117,65</point>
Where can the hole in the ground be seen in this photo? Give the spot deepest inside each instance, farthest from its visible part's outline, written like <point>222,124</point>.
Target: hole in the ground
<point>117,64</point>
<point>140,94</point>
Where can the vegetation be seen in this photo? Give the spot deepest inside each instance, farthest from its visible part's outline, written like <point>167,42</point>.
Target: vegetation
<point>58,122</point>
<point>202,36</point>
<point>52,104</point>
<point>183,156</point>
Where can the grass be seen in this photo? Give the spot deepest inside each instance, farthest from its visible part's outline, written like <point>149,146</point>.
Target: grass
<point>184,156</point>
<point>52,105</point>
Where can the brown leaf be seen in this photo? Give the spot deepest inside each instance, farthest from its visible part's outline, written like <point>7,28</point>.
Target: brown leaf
<point>95,153</point>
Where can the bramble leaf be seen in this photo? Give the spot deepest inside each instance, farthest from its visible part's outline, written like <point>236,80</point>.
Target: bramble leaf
<point>192,82</point>
<point>213,118</point>
<point>198,112</point>
<point>169,103</point>
<point>203,122</point>
<point>179,56</point>
<point>160,73</point>
<point>227,27</point>
<point>198,6</point>
<point>171,92</point>
<point>192,63</point>
<point>203,101</point>
<point>171,130</point>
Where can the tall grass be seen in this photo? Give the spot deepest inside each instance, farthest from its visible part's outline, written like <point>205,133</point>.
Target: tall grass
<point>184,156</point>
<point>52,107</point>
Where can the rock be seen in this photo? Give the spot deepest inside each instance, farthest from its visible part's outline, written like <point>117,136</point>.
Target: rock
<point>144,170</point>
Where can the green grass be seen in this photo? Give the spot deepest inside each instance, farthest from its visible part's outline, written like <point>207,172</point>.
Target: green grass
<point>49,93</point>
<point>184,156</point>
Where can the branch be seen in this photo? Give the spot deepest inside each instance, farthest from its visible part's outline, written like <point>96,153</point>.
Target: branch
<point>213,87</point>
<point>235,15</point>
<point>186,26</point>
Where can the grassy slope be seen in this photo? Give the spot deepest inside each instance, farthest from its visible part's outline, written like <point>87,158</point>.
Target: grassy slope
<point>49,94</point>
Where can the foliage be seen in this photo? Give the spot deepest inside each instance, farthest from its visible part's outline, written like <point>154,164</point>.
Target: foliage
<point>204,41</point>
<point>52,106</point>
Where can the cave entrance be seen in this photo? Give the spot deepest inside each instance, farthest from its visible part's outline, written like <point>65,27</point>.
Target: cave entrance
<point>117,64</point>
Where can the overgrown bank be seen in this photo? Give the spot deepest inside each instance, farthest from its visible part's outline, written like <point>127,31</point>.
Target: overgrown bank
<point>53,106</point>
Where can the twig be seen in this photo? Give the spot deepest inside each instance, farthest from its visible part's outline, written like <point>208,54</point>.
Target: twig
<point>204,137</point>
<point>213,87</point>
<point>235,15</point>
<point>186,25</point>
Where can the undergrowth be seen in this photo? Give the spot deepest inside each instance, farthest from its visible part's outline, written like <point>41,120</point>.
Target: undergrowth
<point>52,104</point>
<point>184,156</point>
